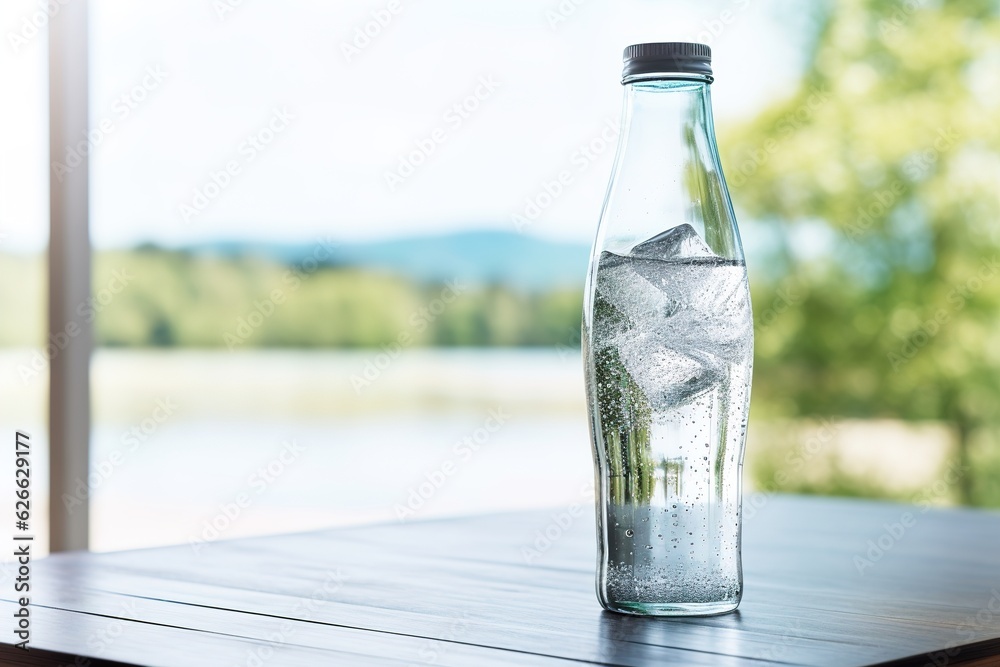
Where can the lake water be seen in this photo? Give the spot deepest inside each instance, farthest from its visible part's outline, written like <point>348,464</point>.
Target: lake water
<point>213,445</point>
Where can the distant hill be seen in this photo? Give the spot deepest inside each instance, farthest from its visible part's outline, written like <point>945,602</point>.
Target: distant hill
<point>481,257</point>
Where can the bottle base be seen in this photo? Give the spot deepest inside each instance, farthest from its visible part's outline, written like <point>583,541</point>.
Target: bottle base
<point>672,608</point>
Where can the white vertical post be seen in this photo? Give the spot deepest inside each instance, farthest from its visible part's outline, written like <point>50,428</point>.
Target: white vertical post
<point>69,277</point>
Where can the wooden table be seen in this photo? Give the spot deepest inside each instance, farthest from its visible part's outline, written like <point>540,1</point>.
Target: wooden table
<point>463,592</point>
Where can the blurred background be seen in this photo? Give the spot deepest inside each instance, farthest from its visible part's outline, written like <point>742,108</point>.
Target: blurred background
<point>335,272</point>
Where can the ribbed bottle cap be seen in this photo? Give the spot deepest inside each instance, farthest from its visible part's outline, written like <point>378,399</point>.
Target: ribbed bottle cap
<point>684,59</point>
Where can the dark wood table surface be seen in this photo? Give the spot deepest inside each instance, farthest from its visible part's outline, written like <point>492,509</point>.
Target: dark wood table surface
<point>480,591</point>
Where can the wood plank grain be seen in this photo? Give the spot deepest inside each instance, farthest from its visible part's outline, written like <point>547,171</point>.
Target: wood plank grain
<point>455,592</point>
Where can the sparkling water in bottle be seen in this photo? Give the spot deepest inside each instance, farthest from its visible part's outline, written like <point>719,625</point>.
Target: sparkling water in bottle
<point>668,350</point>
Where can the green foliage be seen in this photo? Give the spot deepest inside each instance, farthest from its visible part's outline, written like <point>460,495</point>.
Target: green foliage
<point>625,418</point>
<point>879,180</point>
<point>172,298</point>
<point>159,298</point>
<point>984,461</point>
<point>22,293</point>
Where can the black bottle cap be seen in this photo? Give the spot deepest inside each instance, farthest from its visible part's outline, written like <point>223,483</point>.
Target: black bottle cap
<point>668,60</point>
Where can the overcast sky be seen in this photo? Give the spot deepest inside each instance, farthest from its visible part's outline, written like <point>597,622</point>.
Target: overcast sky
<point>332,116</point>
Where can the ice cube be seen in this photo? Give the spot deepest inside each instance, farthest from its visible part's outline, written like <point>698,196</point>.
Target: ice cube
<point>698,285</point>
<point>701,304</point>
<point>680,241</point>
<point>675,322</point>
<point>668,374</point>
<point>705,303</point>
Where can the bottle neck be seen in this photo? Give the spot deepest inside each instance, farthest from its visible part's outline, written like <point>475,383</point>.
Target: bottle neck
<point>676,114</point>
<point>667,171</point>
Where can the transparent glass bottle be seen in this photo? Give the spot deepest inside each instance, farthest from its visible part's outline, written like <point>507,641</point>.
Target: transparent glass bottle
<point>668,350</point>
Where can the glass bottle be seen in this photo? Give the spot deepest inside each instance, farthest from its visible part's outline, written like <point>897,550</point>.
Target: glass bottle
<point>668,350</point>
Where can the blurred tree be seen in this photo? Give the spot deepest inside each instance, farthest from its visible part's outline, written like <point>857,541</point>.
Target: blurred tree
<point>176,299</point>
<point>879,180</point>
